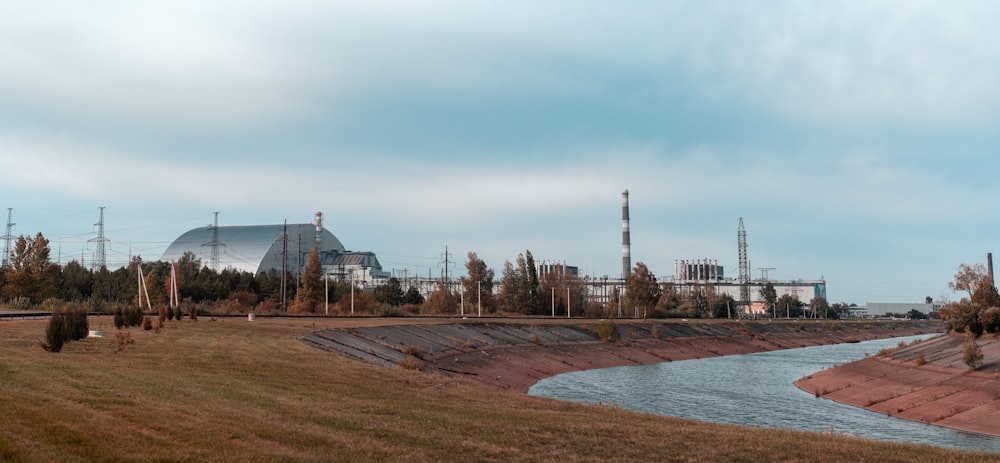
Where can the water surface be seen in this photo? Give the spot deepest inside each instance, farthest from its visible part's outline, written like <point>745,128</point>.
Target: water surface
<point>753,390</point>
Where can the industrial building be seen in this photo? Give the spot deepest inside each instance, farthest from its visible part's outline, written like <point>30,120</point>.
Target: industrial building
<point>259,249</point>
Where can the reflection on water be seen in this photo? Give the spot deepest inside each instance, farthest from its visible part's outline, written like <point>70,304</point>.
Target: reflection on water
<point>753,390</point>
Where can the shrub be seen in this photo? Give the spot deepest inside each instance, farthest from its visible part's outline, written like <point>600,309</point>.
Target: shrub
<point>608,331</point>
<point>413,351</point>
<point>920,359</point>
<point>385,310</point>
<point>972,354</point>
<point>411,363</point>
<point>78,326</point>
<point>147,323</point>
<point>119,318</point>
<point>55,332</point>
<point>655,331</point>
<point>536,338</point>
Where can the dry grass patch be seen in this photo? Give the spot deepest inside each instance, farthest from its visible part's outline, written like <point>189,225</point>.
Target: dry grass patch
<point>239,391</point>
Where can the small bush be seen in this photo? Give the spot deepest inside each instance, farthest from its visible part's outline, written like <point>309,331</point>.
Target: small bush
<point>608,331</point>
<point>55,332</point>
<point>536,338</point>
<point>385,310</point>
<point>147,323</point>
<point>920,359</point>
<point>655,331</point>
<point>411,363</point>
<point>124,338</point>
<point>972,354</point>
<point>413,351</point>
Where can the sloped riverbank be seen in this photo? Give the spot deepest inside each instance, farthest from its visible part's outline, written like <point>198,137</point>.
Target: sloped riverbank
<point>516,354</point>
<point>925,381</point>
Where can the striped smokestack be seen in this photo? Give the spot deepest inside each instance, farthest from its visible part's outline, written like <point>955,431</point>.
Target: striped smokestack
<point>626,241</point>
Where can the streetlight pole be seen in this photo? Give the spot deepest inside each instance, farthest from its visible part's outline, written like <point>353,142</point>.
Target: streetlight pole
<point>479,298</point>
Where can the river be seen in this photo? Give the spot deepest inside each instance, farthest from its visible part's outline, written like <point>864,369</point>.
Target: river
<point>753,390</point>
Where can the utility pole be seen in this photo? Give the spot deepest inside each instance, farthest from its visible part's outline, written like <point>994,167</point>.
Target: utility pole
<point>8,237</point>
<point>284,264</point>
<point>763,272</point>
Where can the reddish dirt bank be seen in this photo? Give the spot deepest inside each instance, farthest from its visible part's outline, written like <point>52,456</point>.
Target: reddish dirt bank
<point>516,355</point>
<point>926,381</point>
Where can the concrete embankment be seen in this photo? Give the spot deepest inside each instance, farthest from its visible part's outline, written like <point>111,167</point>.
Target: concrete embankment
<point>517,354</point>
<point>926,381</point>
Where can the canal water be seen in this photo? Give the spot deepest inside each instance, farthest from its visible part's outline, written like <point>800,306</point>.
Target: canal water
<point>753,390</point>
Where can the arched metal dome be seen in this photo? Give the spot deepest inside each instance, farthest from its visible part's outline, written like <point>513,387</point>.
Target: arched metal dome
<point>252,248</point>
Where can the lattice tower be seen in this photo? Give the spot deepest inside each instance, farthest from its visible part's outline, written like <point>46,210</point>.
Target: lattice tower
<point>744,277</point>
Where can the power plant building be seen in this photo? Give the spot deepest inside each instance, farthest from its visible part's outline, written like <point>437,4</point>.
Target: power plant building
<point>260,249</point>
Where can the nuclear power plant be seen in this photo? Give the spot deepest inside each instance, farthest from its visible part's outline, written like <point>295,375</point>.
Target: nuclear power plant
<point>259,249</point>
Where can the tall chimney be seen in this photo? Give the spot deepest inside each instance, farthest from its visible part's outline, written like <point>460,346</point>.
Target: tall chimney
<point>989,266</point>
<point>626,242</point>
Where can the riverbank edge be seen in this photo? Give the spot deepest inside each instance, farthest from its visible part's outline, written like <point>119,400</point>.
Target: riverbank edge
<point>517,354</point>
<point>925,381</point>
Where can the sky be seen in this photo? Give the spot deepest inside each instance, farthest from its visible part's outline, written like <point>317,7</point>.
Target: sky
<point>857,140</point>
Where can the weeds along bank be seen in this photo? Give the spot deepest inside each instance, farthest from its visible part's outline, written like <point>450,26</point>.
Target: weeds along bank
<point>516,355</point>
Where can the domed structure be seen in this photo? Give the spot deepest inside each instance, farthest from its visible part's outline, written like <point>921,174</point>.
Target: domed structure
<point>254,248</point>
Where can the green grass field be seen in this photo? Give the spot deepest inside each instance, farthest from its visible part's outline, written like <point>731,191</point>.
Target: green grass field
<point>234,390</point>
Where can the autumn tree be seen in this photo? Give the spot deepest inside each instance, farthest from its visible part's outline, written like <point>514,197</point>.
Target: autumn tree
<point>562,291</point>
<point>31,274</point>
<point>642,292</point>
<point>311,294</point>
<point>478,286</point>
<point>519,286</point>
<point>970,313</point>
<point>770,297</point>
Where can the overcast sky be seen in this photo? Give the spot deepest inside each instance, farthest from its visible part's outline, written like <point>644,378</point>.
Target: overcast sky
<point>858,140</point>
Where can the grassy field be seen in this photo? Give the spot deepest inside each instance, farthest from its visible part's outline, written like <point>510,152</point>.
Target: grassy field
<point>233,390</point>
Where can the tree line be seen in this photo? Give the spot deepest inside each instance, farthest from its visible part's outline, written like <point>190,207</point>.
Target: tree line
<point>31,279</point>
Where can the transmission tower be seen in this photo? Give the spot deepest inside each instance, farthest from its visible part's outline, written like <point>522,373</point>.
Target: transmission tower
<point>215,244</point>
<point>7,238</point>
<point>447,280</point>
<point>741,235</point>
<point>100,255</point>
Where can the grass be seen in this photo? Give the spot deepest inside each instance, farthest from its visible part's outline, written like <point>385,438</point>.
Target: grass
<point>233,390</point>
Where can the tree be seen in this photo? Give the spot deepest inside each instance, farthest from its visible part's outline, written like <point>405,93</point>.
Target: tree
<point>641,290</point>
<point>791,305</point>
<point>312,293</point>
<point>31,274</point>
<point>967,314</point>
<point>413,296</point>
<point>519,286</point>
<point>390,293</point>
<point>76,282</point>
<point>819,306</point>
<point>770,297</point>
<point>531,302</point>
<point>479,283</point>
